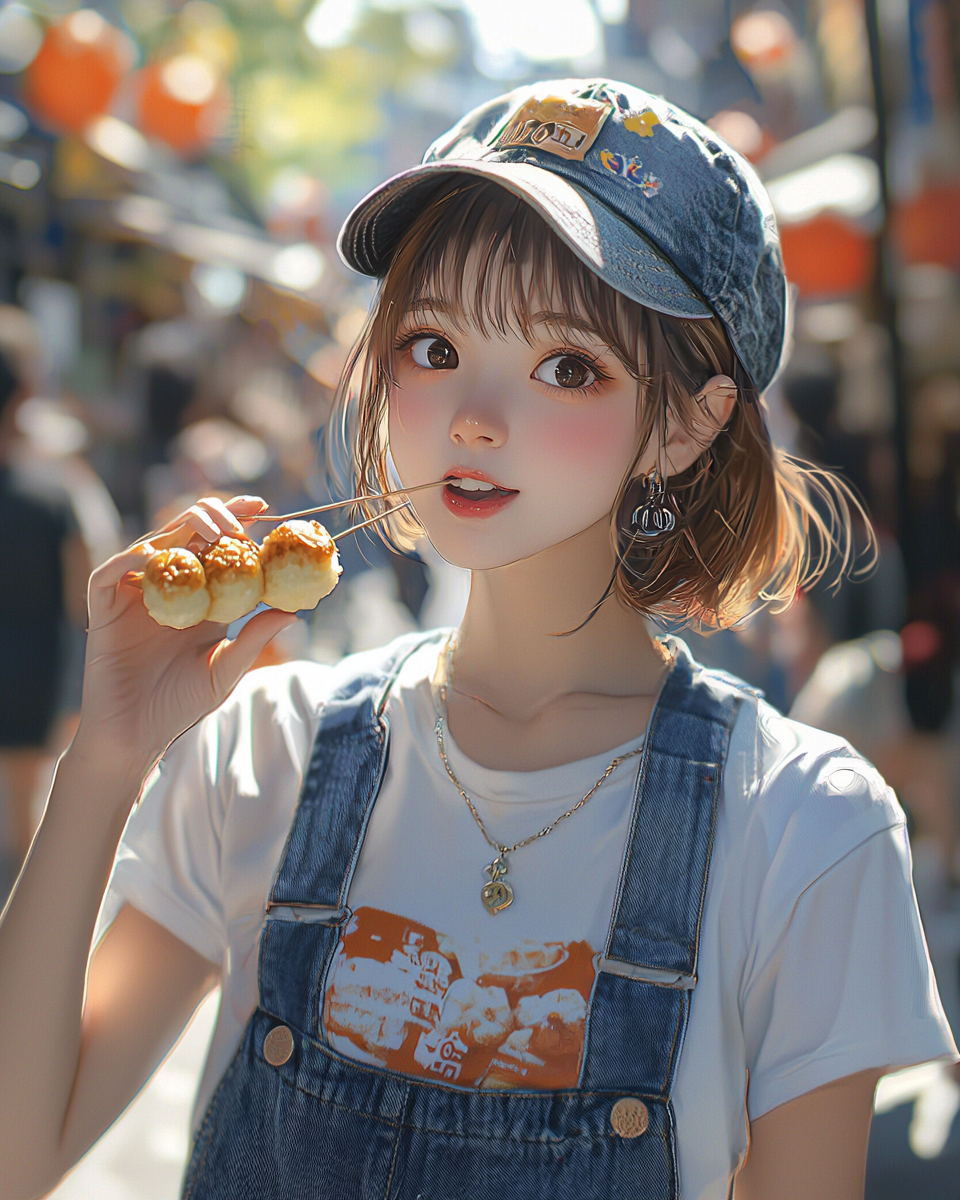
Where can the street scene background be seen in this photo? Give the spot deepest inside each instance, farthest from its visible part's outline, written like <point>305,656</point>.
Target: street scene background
<point>174,320</point>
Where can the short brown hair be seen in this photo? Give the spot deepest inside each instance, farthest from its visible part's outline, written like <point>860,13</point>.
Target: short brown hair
<point>754,524</point>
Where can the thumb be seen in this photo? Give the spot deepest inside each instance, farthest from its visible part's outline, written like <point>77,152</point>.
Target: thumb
<point>229,660</point>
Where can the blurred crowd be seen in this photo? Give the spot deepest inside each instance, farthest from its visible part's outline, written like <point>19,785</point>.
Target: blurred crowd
<point>174,321</point>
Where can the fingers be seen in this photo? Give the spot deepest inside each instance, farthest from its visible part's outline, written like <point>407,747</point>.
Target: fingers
<point>110,573</point>
<point>229,660</point>
<point>207,521</point>
<point>109,582</point>
<point>222,517</point>
<point>197,522</point>
<point>247,506</point>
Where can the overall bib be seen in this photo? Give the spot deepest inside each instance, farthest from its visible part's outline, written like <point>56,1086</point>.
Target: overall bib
<point>292,1119</point>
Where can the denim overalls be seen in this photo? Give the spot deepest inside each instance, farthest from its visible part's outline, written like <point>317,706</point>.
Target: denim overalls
<point>294,1120</point>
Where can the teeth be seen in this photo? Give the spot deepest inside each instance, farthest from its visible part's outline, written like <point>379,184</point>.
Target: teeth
<point>472,485</point>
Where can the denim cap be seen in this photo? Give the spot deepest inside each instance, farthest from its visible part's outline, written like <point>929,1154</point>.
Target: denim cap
<point>649,198</point>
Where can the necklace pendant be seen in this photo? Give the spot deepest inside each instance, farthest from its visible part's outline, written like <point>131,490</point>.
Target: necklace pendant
<point>497,894</point>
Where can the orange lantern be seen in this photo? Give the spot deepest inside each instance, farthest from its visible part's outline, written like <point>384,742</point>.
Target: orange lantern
<point>927,228</point>
<point>77,71</point>
<point>183,102</point>
<point>764,39</point>
<point>827,256</point>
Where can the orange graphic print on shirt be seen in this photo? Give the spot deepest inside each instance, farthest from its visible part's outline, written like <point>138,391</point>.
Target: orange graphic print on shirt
<point>397,996</point>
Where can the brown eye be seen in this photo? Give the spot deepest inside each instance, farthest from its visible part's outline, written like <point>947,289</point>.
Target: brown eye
<point>565,371</point>
<point>435,354</point>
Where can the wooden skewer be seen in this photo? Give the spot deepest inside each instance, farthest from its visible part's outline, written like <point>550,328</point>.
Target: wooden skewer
<point>373,520</point>
<point>308,512</point>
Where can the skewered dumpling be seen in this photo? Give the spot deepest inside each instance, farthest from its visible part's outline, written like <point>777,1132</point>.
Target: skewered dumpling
<point>296,566</point>
<point>174,588</point>
<point>300,565</point>
<point>234,578</point>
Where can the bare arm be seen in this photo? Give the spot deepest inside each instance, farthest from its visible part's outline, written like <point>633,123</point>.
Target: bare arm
<point>814,1147</point>
<point>143,987</point>
<point>143,686</point>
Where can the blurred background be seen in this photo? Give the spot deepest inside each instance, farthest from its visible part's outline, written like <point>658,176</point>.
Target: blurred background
<point>174,320</point>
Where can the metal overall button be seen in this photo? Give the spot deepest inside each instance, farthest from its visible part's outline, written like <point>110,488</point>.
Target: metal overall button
<point>278,1046</point>
<point>629,1117</point>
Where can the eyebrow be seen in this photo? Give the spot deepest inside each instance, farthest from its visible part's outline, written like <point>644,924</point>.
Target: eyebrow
<point>430,304</point>
<point>544,317</point>
<point>570,320</point>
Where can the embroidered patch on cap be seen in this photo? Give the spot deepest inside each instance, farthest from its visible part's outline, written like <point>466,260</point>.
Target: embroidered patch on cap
<point>642,123</point>
<point>565,126</point>
<point>630,169</point>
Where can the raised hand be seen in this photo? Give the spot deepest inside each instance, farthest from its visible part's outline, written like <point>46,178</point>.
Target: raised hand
<point>145,684</point>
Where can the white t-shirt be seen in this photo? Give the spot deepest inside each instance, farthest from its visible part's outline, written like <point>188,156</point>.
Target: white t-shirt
<point>812,961</point>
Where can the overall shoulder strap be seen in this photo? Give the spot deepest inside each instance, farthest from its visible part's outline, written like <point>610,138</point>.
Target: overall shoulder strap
<point>340,785</point>
<point>655,928</point>
<point>647,972</point>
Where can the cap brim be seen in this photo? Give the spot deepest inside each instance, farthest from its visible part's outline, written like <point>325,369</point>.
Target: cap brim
<point>622,257</point>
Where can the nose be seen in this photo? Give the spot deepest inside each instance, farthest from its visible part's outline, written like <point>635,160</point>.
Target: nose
<point>474,428</point>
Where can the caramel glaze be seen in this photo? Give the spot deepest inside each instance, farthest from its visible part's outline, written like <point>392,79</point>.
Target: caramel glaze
<point>230,557</point>
<point>307,538</point>
<point>175,570</point>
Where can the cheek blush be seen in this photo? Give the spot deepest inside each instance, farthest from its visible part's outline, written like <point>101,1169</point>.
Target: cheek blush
<point>593,441</point>
<point>410,412</point>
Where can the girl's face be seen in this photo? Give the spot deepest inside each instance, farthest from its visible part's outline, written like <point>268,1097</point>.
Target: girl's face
<point>537,433</point>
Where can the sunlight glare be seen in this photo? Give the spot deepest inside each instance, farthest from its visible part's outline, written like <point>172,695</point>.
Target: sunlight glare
<point>535,30</point>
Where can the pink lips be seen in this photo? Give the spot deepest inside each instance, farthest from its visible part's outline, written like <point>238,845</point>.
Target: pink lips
<point>464,503</point>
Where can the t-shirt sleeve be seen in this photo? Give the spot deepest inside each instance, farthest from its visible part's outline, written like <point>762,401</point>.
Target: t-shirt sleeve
<point>168,862</point>
<point>846,984</point>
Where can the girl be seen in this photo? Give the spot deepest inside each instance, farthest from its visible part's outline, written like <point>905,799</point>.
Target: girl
<point>538,907</point>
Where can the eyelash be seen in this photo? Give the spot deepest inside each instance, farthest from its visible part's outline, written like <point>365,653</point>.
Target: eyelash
<point>582,356</point>
<point>405,341</point>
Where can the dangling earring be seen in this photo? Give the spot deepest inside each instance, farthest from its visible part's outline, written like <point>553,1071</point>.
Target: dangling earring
<point>654,517</point>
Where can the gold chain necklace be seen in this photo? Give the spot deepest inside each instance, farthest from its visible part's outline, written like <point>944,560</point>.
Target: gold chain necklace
<point>497,893</point>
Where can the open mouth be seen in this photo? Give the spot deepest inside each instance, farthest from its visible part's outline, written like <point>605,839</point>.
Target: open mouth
<point>467,495</point>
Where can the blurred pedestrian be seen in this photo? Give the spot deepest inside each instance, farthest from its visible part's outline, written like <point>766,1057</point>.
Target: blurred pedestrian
<point>859,690</point>
<point>42,589</point>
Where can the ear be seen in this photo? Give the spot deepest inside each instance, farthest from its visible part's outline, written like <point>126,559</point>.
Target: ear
<point>712,409</point>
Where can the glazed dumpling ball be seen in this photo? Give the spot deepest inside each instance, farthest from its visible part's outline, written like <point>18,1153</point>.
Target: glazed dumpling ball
<point>175,588</point>
<point>234,578</point>
<point>300,565</point>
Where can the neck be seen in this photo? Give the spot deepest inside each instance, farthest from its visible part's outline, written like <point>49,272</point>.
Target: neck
<point>509,654</point>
